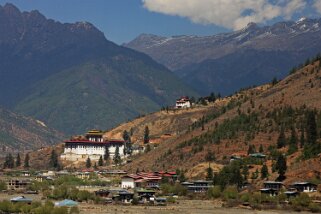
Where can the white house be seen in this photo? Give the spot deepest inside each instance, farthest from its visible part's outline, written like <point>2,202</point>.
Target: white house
<point>93,146</point>
<point>183,102</point>
<point>128,182</point>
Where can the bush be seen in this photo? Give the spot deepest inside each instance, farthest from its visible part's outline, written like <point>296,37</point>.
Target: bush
<point>315,208</point>
<point>3,186</point>
<point>301,202</point>
<point>214,192</point>
<point>230,193</point>
<point>245,197</point>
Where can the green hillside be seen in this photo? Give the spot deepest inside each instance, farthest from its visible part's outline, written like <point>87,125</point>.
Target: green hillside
<point>101,94</point>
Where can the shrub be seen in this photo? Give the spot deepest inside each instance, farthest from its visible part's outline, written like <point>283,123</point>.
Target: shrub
<point>214,192</point>
<point>315,208</point>
<point>230,193</point>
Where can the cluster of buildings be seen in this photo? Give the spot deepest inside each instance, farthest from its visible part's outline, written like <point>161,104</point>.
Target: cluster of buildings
<point>273,188</point>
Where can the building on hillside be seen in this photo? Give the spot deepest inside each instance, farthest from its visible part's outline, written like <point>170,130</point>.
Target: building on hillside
<point>183,102</point>
<point>198,186</point>
<point>304,186</point>
<point>272,188</point>
<point>93,146</point>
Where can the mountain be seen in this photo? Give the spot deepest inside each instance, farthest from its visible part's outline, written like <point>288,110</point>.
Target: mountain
<point>230,61</point>
<point>19,133</point>
<point>231,124</point>
<point>73,78</point>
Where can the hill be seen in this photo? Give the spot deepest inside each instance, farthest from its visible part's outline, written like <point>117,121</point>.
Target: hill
<point>252,117</point>
<point>20,133</point>
<point>227,62</point>
<point>70,74</point>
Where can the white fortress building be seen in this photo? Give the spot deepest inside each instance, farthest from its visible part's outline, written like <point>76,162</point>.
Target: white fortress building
<point>92,146</point>
<point>183,102</point>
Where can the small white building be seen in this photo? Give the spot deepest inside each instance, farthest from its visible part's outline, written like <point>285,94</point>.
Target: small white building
<point>128,182</point>
<point>93,146</point>
<point>183,102</point>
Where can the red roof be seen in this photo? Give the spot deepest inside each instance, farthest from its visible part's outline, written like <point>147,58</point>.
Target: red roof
<point>94,142</point>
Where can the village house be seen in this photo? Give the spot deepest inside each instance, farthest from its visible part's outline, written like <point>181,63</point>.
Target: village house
<point>16,184</point>
<point>183,102</point>
<point>272,188</point>
<point>141,180</point>
<point>198,186</point>
<point>93,146</point>
<point>304,187</point>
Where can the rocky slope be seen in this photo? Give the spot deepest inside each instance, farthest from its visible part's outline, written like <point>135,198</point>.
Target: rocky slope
<point>73,78</point>
<point>227,62</point>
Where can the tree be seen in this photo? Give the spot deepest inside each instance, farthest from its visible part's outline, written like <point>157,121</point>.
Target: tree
<point>106,155</point>
<point>88,163</point>
<point>261,150</point>
<point>125,136</point>
<point>101,162</point>
<point>281,139</point>
<point>274,81</point>
<point>18,160</point>
<point>293,144</point>
<point>251,149</point>
<point>302,138</point>
<point>146,135</point>
<point>281,166</point>
<point>9,161</point>
<point>311,128</point>
<point>210,174</point>
<point>26,162</point>
<point>53,162</point>
<point>264,172</point>
<point>117,158</point>
<point>210,156</point>
<point>245,172</point>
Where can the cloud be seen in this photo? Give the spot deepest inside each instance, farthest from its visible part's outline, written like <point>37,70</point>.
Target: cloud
<point>317,5</point>
<point>232,14</point>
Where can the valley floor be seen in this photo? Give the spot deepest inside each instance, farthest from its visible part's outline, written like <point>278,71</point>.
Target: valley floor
<point>184,206</point>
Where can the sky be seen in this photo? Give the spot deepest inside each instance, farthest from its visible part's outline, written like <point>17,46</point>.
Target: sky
<point>123,20</point>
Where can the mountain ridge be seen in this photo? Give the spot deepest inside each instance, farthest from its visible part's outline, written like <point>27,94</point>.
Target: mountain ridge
<point>36,52</point>
<point>193,57</point>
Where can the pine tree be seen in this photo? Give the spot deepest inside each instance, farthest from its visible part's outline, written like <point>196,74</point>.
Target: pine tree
<point>117,158</point>
<point>311,128</point>
<point>281,139</point>
<point>210,156</point>
<point>88,163</point>
<point>106,155</point>
<point>125,136</point>
<point>293,144</point>
<point>146,135</point>
<point>101,162</point>
<point>302,138</point>
<point>18,160</point>
<point>245,172</point>
<point>210,174</point>
<point>26,162</point>
<point>261,150</point>
<point>9,161</point>
<point>281,165</point>
<point>53,162</point>
<point>264,172</point>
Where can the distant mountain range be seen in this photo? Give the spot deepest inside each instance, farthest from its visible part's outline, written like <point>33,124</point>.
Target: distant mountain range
<point>18,133</point>
<point>227,62</point>
<point>73,78</point>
